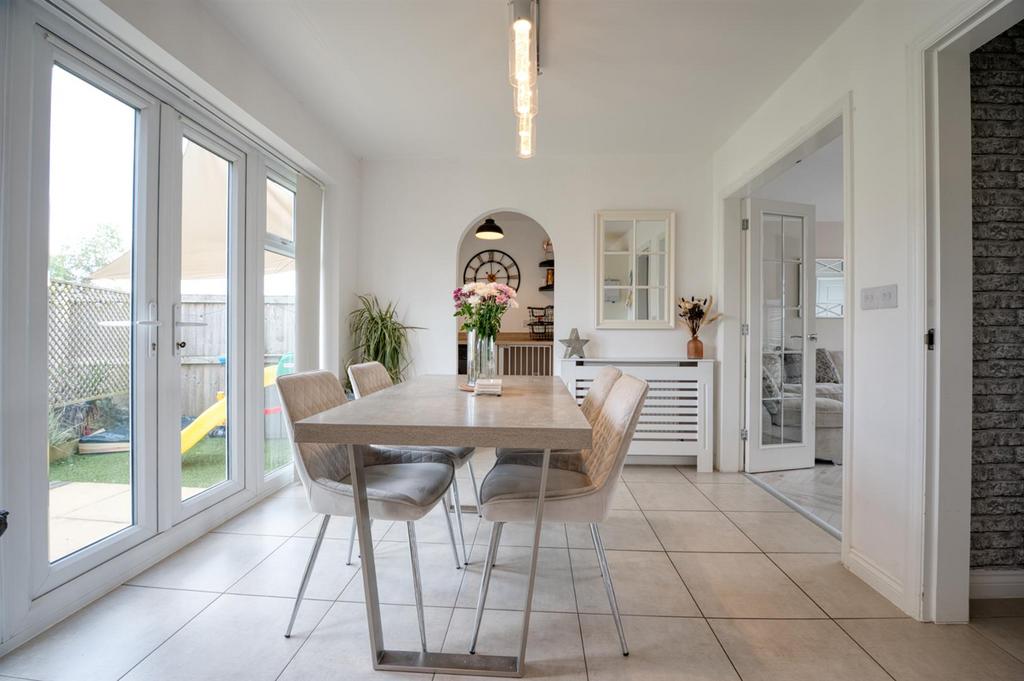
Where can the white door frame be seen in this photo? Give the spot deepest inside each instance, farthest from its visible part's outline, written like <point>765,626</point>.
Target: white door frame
<point>941,195</point>
<point>730,282</point>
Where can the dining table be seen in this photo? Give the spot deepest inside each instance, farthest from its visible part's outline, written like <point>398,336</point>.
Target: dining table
<point>533,413</point>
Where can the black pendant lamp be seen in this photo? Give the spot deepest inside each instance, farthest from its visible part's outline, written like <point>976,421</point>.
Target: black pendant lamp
<point>489,230</point>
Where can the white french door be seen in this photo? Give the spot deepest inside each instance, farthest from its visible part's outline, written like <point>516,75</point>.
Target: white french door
<point>92,426</point>
<point>149,279</point>
<point>781,338</point>
<point>201,275</point>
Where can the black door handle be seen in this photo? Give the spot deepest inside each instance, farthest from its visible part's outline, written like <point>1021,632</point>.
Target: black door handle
<point>3,522</point>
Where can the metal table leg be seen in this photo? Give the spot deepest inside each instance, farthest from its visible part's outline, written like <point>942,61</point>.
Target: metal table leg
<point>417,660</point>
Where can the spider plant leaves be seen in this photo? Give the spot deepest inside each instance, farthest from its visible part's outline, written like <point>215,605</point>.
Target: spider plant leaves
<point>379,336</point>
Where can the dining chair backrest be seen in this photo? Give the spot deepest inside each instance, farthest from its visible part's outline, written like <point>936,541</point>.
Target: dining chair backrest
<point>613,431</point>
<point>303,395</point>
<point>598,393</point>
<point>368,378</point>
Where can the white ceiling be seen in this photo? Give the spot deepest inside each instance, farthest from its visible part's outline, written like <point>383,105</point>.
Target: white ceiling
<point>401,78</point>
<point>817,180</point>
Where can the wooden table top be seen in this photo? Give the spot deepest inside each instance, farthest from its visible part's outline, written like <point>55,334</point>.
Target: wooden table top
<point>533,411</point>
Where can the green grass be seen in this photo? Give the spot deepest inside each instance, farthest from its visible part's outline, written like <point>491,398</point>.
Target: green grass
<point>203,465</point>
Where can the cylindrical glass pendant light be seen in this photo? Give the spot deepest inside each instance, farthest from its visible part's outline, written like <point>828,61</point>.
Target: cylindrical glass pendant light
<point>522,58</point>
<point>525,137</point>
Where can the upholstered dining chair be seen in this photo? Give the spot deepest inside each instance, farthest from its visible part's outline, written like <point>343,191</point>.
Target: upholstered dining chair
<point>509,491</point>
<point>370,377</point>
<point>591,408</point>
<point>401,485</point>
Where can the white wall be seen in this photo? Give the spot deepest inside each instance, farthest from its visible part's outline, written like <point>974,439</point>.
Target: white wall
<point>523,239</point>
<point>184,40</point>
<point>867,56</point>
<point>415,211</point>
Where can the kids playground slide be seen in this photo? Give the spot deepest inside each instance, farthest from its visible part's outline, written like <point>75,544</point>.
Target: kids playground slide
<point>217,414</point>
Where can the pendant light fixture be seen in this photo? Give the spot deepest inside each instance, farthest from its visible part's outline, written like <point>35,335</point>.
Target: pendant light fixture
<point>523,67</point>
<point>490,230</point>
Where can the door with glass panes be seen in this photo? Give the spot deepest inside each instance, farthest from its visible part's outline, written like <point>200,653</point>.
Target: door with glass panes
<point>781,337</point>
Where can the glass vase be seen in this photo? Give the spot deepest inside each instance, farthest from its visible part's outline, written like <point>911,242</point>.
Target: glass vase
<point>481,357</point>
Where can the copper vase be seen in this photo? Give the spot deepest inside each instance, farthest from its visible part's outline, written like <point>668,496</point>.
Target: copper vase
<point>695,348</point>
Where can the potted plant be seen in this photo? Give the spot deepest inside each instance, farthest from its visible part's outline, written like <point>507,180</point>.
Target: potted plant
<point>61,437</point>
<point>378,336</point>
<point>696,314</point>
<point>481,307</point>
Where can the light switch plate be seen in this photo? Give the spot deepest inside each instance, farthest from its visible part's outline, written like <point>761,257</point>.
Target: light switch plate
<point>879,297</point>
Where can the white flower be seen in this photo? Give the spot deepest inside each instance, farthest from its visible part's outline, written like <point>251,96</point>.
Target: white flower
<point>474,300</point>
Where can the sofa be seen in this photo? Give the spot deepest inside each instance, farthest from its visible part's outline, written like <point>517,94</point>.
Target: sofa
<point>781,384</point>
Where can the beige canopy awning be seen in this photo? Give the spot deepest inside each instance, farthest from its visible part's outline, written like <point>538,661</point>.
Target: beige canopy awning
<point>203,219</point>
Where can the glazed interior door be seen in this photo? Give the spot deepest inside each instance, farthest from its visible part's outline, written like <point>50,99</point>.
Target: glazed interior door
<point>201,278</point>
<point>781,339</point>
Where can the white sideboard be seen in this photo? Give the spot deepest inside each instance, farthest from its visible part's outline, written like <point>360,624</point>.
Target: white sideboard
<point>677,421</point>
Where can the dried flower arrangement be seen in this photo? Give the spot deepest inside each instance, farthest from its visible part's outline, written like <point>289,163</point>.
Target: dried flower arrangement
<point>696,314</point>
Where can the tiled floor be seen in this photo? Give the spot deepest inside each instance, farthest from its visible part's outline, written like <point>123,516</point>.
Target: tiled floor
<point>714,581</point>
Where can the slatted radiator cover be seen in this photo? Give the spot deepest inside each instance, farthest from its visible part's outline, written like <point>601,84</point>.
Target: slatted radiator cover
<point>677,417</point>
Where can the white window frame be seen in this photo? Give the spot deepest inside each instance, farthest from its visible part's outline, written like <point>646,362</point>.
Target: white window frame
<point>265,241</point>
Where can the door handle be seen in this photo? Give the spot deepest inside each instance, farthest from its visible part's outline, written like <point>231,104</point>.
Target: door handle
<point>813,337</point>
<point>3,522</point>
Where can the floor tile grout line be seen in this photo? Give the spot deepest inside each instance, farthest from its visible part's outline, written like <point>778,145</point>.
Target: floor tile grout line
<point>806,595</point>
<point>172,635</point>
<point>866,652</point>
<point>305,640</point>
<point>988,638</point>
<point>686,586</point>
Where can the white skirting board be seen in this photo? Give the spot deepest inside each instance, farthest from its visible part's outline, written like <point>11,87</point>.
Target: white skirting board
<point>997,583</point>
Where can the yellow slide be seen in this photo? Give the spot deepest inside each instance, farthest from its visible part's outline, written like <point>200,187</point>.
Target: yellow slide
<point>216,414</point>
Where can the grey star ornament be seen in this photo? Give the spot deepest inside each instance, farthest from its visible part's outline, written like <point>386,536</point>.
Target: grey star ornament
<point>574,345</point>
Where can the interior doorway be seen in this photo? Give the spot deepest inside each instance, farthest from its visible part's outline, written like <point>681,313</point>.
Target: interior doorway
<point>795,326</point>
<point>508,247</point>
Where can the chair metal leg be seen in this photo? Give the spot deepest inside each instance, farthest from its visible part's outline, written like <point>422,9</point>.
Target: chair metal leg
<point>352,540</point>
<point>451,532</point>
<point>485,582</point>
<point>602,560</point>
<point>306,575</point>
<point>458,518</point>
<point>497,543</point>
<point>476,490</point>
<point>416,584</point>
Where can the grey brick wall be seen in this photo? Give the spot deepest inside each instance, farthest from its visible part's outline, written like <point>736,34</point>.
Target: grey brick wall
<point>997,102</point>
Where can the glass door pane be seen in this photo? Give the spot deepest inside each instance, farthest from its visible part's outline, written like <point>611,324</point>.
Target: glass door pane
<point>278,320</point>
<point>91,309</point>
<point>202,318</point>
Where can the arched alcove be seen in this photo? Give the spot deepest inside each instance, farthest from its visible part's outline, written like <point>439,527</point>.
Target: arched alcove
<point>518,257</point>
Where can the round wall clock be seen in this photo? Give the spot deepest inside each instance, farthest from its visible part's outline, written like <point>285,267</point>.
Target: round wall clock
<point>492,266</point>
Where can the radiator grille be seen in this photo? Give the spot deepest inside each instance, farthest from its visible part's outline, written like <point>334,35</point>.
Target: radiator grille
<point>671,412</point>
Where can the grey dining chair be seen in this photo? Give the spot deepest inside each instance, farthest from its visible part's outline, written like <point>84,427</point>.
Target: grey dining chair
<point>401,485</point>
<point>591,408</point>
<point>370,377</point>
<point>509,491</point>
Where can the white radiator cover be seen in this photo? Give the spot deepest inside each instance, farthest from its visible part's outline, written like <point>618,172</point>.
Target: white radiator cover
<point>677,421</point>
